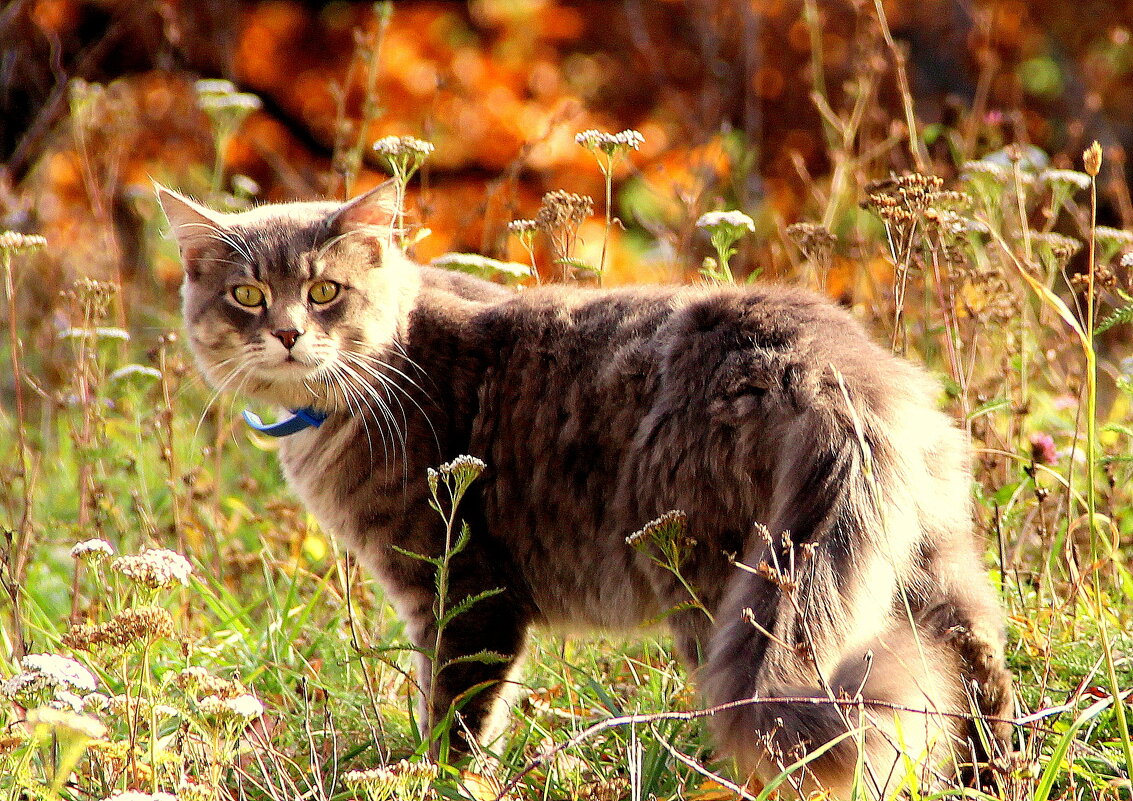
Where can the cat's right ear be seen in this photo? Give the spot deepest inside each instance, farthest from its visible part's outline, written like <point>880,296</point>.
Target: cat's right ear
<point>373,212</point>
<point>194,226</point>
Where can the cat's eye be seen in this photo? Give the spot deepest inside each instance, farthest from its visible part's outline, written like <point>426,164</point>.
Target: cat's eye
<point>323,291</point>
<point>248,295</point>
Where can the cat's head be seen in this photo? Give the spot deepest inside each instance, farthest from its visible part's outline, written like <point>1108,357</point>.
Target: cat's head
<point>285,301</point>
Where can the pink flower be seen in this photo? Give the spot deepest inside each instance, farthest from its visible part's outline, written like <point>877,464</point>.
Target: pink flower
<point>1043,450</point>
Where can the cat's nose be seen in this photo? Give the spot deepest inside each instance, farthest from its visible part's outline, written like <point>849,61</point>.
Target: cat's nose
<point>287,336</point>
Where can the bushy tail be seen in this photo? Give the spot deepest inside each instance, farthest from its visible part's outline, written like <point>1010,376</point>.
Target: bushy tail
<point>838,609</point>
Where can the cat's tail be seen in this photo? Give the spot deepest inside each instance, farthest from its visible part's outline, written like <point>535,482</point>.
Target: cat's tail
<point>860,633</point>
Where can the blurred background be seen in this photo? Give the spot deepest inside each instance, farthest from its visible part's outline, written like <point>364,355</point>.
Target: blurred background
<point>738,102</point>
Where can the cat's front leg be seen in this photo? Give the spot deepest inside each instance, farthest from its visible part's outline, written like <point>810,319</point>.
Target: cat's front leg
<point>465,673</point>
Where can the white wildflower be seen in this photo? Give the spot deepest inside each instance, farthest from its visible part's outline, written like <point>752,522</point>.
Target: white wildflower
<point>1069,178</point>
<point>62,722</point>
<point>14,241</point>
<point>1127,261</point>
<point>245,706</point>
<point>733,219</point>
<point>97,332</point>
<point>55,671</point>
<point>1114,236</point>
<point>983,169</point>
<point>132,370</point>
<point>610,144</point>
<point>92,550</point>
<point>67,700</point>
<point>155,568</point>
<point>397,146</point>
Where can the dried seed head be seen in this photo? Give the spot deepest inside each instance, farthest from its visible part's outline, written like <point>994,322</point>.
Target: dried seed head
<point>93,299</point>
<point>562,209</point>
<point>1092,159</point>
<point>141,625</point>
<point>155,568</point>
<point>816,243</point>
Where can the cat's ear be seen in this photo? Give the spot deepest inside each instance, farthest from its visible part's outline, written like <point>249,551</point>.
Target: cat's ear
<point>372,212</point>
<point>193,225</point>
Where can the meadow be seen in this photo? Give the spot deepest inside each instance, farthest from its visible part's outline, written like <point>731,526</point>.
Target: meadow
<point>173,622</point>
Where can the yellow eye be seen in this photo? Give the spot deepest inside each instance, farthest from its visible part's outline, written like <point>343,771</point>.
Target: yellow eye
<point>248,295</point>
<point>323,291</point>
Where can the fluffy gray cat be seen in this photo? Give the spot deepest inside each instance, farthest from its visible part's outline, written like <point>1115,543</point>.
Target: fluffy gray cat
<point>793,443</point>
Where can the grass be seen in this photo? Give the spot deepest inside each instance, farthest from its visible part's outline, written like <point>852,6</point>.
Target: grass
<point>110,435</point>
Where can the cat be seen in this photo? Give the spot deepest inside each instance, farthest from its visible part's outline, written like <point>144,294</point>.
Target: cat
<point>797,447</point>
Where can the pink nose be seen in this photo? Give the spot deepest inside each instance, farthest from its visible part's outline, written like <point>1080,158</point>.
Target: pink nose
<point>287,337</point>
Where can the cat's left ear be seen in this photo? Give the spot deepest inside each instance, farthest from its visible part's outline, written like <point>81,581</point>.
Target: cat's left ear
<point>371,212</point>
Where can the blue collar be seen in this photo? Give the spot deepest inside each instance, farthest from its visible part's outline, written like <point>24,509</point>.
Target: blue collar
<point>303,418</point>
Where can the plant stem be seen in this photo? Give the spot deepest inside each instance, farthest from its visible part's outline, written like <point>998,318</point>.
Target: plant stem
<point>23,535</point>
<point>1091,498</point>
<point>607,171</point>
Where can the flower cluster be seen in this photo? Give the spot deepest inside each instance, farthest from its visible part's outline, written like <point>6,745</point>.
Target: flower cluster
<point>92,550</point>
<point>1070,179</point>
<point>399,146</point>
<point>43,671</point>
<point>155,568</point>
<point>405,781</point>
<point>457,474</point>
<point>610,144</point>
<point>725,229</point>
<point>14,242</point>
<point>225,105</point>
<point>714,220</point>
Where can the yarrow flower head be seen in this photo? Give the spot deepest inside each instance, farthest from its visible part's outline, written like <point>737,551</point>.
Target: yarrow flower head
<point>92,550</point>
<point>155,568</point>
<point>137,795</point>
<point>1070,179</point>
<point>225,105</point>
<point>523,228</point>
<point>734,219</point>
<point>14,242</point>
<point>403,154</point>
<point>63,723</point>
<point>457,474</point>
<point>246,706</point>
<point>396,146</point>
<point>1110,241</point>
<point>44,671</point>
<point>610,144</point>
<point>725,229</point>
